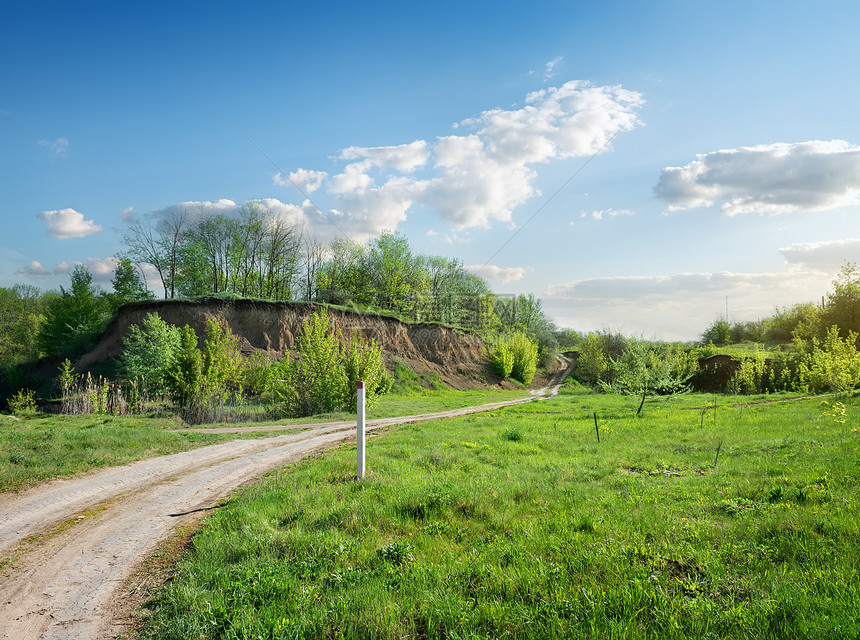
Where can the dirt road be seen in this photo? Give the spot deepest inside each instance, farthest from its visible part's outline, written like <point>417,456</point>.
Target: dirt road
<point>70,545</point>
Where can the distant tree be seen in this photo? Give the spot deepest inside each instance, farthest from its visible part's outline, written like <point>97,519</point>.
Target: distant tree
<point>843,303</point>
<point>720,333</point>
<point>127,283</point>
<point>21,315</point>
<point>75,318</point>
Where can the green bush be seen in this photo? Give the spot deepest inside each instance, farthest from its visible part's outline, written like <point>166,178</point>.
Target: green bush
<point>503,359</point>
<point>322,379</point>
<point>185,376</point>
<point>23,403</point>
<point>653,367</point>
<point>150,353</point>
<point>222,359</point>
<point>362,360</point>
<point>516,356</point>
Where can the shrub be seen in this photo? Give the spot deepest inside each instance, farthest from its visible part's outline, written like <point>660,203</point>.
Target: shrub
<point>322,379</point>
<point>652,367</point>
<point>185,376</point>
<point>503,359</point>
<point>23,403</point>
<point>362,360</point>
<point>516,356</point>
<point>222,360</point>
<point>150,352</point>
<point>67,378</point>
<point>525,353</point>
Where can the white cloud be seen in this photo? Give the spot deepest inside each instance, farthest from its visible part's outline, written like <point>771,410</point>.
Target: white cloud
<point>306,181</point>
<point>680,306</point>
<point>776,178</point>
<point>476,179</point>
<point>68,223</point>
<point>404,158</point>
<point>127,214</point>
<point>549,69</point>
<point>610,213</point>
<point>499,274</point>
<point>34,270</point>
<point>102,269</point>
<point>58,147</point>
<point>822,256</point>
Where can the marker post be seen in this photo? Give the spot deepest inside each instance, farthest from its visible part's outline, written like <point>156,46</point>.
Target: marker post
<point>359,430</point>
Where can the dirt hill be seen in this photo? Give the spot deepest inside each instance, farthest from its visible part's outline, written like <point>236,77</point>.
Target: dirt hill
<point>459,357</point>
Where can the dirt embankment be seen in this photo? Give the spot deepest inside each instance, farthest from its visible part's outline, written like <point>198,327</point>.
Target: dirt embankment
<point>459,357</point>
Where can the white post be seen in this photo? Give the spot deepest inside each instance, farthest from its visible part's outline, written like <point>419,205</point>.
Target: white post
<point>359,430</point>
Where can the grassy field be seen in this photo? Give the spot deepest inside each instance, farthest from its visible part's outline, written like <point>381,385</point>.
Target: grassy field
<point>44,446</point>
<point>739,520</point>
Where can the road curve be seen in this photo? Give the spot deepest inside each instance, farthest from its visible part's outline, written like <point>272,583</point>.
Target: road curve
<point>69,545</point>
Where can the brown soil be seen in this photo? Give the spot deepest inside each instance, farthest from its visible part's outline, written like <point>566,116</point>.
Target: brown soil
<point>458,357</point>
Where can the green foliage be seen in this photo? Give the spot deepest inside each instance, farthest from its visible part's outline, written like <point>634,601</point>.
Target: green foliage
<point>222,359</point>
<point>362,360</point>
<point>832,364</point>
<point>516,355</point>
<point>596,353</point>
<point>318,379</point>
<point>21,316</point>
<point>67,377</point>
<point>258,374</point>
<point>75,318</point>
<point>127,284</point>
<point>185,373</point>
<point>150,354</point>
<point>843,303</point>
<point>322,379</point>
<point>720,333</point>
<point>23,403</point>
<point>653,367</point>
<point>503,359</point>
<point>751,376</point>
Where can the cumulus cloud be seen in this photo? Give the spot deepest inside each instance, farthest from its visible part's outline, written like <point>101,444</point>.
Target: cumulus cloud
<point>102,269</point>
<point>404,158</point>
<point>822,256</point>
<point>776,178</point>
<point>68,223</point>
<point>305,181</point>
<point>479,177</point>
<point>58,147</point>
<point>34,270</point>
<point>499,274</point>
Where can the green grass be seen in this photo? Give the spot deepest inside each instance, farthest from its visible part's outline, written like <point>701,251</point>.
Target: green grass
<point>41,447</point>
<point>47,446</point>
<point>519,524</point>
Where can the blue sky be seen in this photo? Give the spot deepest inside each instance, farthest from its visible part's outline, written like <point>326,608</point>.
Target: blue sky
<point>707,150</point>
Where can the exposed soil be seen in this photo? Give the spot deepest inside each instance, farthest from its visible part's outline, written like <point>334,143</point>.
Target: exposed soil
<point>69,548</point>
<point>459,357</point>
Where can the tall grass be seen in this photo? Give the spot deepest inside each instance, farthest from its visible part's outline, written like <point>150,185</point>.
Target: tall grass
<point>462,530</point>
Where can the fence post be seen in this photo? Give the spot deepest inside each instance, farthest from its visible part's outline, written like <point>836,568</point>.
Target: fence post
<point>359,430</point>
